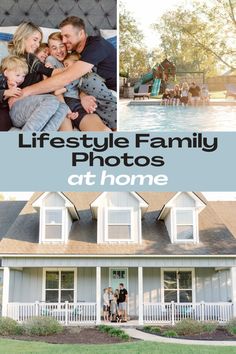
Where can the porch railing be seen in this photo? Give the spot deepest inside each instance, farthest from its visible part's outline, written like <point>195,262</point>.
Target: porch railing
<point>174,312</point>
<point>66,313</point>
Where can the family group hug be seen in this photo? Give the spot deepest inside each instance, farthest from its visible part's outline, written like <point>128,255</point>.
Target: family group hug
<point>67,83</point>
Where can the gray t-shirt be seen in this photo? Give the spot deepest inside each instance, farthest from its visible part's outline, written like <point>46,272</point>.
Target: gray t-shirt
<point>72,88</point>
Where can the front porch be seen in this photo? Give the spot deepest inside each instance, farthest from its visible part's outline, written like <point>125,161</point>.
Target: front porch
<point>156,295</point>
<point>153,313</point>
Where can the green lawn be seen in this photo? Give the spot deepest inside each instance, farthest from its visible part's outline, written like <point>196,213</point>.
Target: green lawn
<point>14,347</point>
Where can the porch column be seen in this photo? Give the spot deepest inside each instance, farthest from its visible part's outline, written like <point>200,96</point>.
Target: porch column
<point>140,295</point>
<point>233,289</point>
<point>98,294</point>
<point>5,290</point>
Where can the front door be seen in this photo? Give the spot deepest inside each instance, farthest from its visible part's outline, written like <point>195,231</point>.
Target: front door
<point>117,276</point>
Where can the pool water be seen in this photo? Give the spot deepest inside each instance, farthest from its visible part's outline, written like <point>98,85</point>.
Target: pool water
<point>177,118</point>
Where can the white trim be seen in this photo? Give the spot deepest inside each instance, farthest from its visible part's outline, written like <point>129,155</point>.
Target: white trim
<point>179,270</point>
<point>195,238</point>
<point>39,200</point>
<point>199,203</point>
<point>43,224</point>
<point>131,224</point>
<point>140,295</point>
<point>5,290</point>
<point>233,288</point>
<point>59,289</point>
<point>98,294</point>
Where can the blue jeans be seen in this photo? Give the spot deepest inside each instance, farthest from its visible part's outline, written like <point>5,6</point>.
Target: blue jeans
<point>38,113</point>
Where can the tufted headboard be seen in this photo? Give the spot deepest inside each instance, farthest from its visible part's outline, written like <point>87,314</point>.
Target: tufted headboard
<point>97,14</point>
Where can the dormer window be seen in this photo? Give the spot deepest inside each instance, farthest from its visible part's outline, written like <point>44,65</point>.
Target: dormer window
<point>184,220</point>
<point>119,224</point>
<point>181,215</point>
<point>53,224</point>
<point>119,216</point>
<point>56,217</point>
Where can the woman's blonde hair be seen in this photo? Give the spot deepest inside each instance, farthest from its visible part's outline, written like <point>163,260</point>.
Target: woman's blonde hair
<point>24,31</point>
<point>12,62</point>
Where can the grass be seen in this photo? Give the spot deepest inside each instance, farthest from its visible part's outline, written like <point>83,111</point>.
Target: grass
<point>8,346</point>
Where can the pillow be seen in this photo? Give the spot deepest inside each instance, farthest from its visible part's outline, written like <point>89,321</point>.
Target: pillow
<point>6,37</point>
<point>6,32</point>
<point>110,36</point>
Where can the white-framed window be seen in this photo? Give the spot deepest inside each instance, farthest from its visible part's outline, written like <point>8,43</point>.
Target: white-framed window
<point>119,224</point>
<point>53,224</point>
<point>185,225</point>
<point>178,285</point>
<point>59,285</point>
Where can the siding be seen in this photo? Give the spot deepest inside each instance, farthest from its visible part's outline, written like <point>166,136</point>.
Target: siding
<point>26,285</point>
<point>184,201</point>
<point>152,284</point>
<point>106,261</point>
<point>86,284</point>
<point>212,285</point>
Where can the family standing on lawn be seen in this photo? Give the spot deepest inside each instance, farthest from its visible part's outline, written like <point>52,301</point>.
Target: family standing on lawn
<point>72,95</point>
<point>115,304</point>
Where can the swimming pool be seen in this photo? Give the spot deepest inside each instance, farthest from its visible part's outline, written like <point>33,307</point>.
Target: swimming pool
<point>169,118</point>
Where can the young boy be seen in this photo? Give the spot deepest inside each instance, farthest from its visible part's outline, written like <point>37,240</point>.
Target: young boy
<point>42,52</point>
<point>32,113</point>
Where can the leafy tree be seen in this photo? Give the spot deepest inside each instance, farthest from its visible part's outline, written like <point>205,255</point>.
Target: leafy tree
<point>133,53</point>
<point>200,39</point>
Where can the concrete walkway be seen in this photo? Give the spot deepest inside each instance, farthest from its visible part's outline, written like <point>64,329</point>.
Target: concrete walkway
<point>134,333</point>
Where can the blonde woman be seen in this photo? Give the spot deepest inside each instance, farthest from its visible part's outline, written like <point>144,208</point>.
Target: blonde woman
<point>184,94</point>
<point>51,113</point>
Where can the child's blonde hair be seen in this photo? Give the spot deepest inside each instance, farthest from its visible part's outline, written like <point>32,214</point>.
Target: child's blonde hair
<point>23,32</point>
<point>56,36</point>
<point>72,56</point>
<point>185,86</point>
<point>13,62</point>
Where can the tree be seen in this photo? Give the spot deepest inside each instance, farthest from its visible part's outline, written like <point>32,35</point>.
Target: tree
<point>200,38</point>
<point>133,53</point>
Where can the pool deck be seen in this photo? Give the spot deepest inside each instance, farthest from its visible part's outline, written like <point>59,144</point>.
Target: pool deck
<point>156,102</point>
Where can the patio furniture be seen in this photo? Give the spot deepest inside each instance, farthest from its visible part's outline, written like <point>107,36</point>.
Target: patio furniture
<point>231,90</point>
<point>142,92</point>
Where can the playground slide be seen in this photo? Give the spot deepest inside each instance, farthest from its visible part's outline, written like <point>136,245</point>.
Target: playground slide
<point>144,79</point>
<point>156,87</point>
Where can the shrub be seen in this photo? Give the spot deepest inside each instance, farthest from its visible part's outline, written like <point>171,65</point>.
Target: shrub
<point>104,328</point>
<point>115,332</point>
<point>42,326</point>
<point>8,327</point>
<point>155,330</point>
<point>147,328</point>
<point>209,327</point>
<point>188,327</point>
<point>170,333</point>
<point>231,326</point>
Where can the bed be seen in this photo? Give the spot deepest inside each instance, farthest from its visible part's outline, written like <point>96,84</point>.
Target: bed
<point>97,14</point>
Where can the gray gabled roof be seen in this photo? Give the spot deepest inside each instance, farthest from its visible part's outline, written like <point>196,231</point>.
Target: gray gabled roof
<point>9,210</point>
<point>217,231</point>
